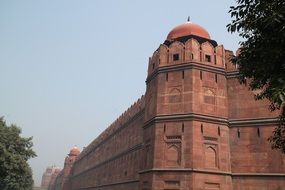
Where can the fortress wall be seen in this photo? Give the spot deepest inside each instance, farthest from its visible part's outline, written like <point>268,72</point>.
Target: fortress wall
<point>172,180</point>
<point>257,183</point>
<point>251,151</point>
<point>113,159</point>
<point>196,128</point>
<point>242,102</point>
<point>59,181</point>
<point>209,93</point>
<point>253,163</point>
<point>56,181</point>
<point>211,182</point>
<point>211,149</point>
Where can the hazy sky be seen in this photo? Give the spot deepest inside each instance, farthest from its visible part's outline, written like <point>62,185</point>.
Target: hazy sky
<point>69,68</point>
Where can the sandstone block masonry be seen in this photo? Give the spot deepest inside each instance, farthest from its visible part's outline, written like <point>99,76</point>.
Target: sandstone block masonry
<point>195,128</point>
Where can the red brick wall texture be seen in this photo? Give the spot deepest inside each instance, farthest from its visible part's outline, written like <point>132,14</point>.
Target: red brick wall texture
<point>196,128</point>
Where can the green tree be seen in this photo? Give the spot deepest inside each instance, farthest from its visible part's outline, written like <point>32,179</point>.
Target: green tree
<point>261,23</point>
<point>15,172</point>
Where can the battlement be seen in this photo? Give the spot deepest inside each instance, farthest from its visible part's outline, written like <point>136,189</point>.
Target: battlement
<point>122,120</point>
<point>177,136</point>
<point>192,50</point>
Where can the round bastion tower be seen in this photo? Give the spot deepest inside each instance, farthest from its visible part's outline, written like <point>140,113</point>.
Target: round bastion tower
<point>62,179</point>
<point>68,163</point>
<point>196,128</point>
<point>185,130</point>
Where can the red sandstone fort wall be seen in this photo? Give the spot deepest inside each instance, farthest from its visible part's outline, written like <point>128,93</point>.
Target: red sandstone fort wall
<point>253,182</point>
<point>251,151</point>
<point>196,127</point>
<point>254,164</point>
<point>113,160</point>
<point>243,105</point>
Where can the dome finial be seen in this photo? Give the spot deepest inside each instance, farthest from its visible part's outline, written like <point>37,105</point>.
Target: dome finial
<point>188,19</point>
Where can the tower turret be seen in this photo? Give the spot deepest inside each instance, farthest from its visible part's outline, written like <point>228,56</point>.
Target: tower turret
<point>186,109</point>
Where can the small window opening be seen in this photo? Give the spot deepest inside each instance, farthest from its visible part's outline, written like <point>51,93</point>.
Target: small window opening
<point>201,75</point>
<point>202,129</point>
<point>192,56</point>
<point>176,57</point>
<point>207,58</point>
<point>166,76</point>
<point>219,131</point>
<point>258,132</point>
<point>182,127</point>
<point>238,132</point>
<point>216,78</point>
<point>183,74</point>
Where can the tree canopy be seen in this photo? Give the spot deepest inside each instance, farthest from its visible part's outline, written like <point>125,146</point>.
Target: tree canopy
<point>262,54</point>
<point>15,172</point>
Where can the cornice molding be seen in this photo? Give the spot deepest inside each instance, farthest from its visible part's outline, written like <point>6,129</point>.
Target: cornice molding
<point>110,184</point>
<point>215,172</point>
<point>192,65</point>
<point>211,119</point>
<point>184,66</point>
<point>258,174</point>
<point>232,74</point>
<point>185,117</point>
<point>253,121</point>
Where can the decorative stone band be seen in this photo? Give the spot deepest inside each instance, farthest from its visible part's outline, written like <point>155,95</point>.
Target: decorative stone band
<point>232,74</point>
<point>215,172</point>
<point>185,66</point>
<point>186,170</point>
<point>193,65</point>
<point>211,119</point>
<point>259,174</point>
<point>110,184</point>
<point>254,121</point>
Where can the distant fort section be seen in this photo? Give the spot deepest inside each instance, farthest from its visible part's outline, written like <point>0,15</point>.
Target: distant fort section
<point>196,128</point>
<point>49,176</point>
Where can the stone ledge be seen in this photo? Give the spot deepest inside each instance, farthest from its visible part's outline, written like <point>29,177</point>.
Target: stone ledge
<point>112,184</point>
<point>187,170</point>
<point>211,119</point>
<point>217,172</point>
<point>185,66</point>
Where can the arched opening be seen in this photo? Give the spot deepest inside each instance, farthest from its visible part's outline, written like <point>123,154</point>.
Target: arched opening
<point>172,156</point>
<point>175,95</point>
<point>210,157</point>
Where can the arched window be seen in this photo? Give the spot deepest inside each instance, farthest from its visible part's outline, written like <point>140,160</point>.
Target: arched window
<point>210,157</point>
<point>175,95</point>
<point>172,156</point>
<point>209,97</point>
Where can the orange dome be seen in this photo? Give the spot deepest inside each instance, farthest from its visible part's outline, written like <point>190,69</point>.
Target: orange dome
<point>186,29</point>
<point>74,151</point>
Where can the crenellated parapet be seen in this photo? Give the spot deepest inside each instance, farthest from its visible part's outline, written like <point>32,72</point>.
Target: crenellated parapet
<point>124,118</point>
<point>189,51</point>
<point>196,127</point>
